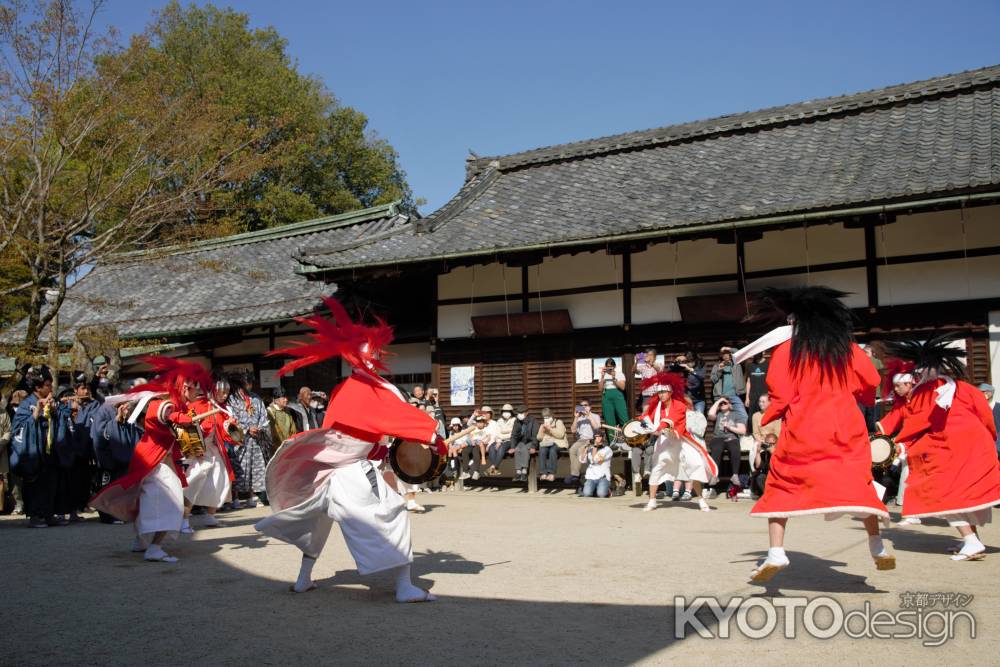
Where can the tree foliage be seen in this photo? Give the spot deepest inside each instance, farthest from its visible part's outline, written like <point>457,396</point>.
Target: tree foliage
<point>198,127</point>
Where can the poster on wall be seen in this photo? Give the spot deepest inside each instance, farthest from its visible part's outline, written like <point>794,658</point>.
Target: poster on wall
<point>599,366</point>
<point>269,379</point>
<point>584,371</point>
<point>463,385</point>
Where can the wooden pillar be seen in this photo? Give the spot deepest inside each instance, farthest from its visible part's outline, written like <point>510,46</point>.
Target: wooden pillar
<point>871,264</point>
<point>270,338</point>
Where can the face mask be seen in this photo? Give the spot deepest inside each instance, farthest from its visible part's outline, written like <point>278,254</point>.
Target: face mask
<point>521,416</point>
<point>505,415</point>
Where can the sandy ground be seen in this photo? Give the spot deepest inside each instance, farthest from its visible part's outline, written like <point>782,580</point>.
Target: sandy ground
<point>540,579</point>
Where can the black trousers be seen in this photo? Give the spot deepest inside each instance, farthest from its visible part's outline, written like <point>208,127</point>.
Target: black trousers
<point>719,446</point>
<point>48,492</point>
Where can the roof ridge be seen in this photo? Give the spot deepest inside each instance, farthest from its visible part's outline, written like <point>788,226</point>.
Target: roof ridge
<point>806,109</point>
<point>354,243</point>
<point>269,234</point>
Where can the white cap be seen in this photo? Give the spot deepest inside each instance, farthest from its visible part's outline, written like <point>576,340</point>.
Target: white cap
<point>454,421</point>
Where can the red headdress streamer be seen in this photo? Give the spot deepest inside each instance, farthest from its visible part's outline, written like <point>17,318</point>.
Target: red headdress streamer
<point>675,381</point>
<point>890,369</point>
<point>170,377</point>
<point>337,336</point>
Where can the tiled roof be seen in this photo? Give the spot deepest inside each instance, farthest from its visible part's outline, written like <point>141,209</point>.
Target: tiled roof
<point>907,142</point>
<point>240,280</point>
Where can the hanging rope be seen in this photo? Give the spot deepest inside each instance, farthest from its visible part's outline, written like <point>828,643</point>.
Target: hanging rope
<point>965,254</point>
<point>805,235</point>
<point>885,257</point>
<point>674,315</point>
<point>506,307</point>
<point>472,297</point>
<point>541,309</point>
<point>742,273</point>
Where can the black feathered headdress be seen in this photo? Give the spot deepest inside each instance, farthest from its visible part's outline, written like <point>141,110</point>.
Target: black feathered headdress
<point>935,353</point>
<point>821,321</point>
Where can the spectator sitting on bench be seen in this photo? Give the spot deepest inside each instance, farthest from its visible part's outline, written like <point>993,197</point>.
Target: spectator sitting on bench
<point>585,425</point>
<point>551,438</point>
<point>502,444</point>
<point>597,456</point>
<point>454,467</point>
<point>475,444</point>
<point>524,439</point>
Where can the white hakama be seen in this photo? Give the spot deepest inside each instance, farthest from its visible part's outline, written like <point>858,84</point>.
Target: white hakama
<point>161,502</point>
<point>692,465</point>
<point>375,528</point>
<point>208,479</point>
<point>666,459</point>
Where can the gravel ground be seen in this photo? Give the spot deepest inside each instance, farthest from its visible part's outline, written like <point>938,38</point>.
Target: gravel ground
<point>539,579</point>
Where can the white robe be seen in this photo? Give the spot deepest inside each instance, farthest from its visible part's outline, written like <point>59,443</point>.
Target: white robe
<point>208,479</point>
<point>376,528</point>
<point>161,502</point>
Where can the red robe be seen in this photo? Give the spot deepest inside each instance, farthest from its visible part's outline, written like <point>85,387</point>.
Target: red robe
<point>121,498</point>
<point>822,462</point>
<point>675,417</point>
<point>213,429</point>
<point>951,452</point>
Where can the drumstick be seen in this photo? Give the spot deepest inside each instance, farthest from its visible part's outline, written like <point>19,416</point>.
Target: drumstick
<point>452,438</point>
<point>610,427</point>
<point>205,415</point>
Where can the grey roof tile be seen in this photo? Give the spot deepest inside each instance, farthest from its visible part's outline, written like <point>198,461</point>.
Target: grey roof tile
<point>936,136</point>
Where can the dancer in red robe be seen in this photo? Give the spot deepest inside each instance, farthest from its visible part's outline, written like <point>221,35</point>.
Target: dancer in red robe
<point>151,493</point>
<point>676,454</point>
<point>950,434</point>
<point>822,461</point>
<point>330,474</point>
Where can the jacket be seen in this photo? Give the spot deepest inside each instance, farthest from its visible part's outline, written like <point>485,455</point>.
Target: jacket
<point>525,432</point>
<point>556,435</point>
<point>739,381</point>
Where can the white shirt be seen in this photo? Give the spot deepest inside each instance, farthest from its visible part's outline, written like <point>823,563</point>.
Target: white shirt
<point>599,466</point>
<point>608,383</point>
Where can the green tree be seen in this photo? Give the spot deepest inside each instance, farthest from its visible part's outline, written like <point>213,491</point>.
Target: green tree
<point>320,157</point>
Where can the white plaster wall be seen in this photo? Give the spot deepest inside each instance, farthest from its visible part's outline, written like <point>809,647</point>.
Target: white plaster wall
<point>483,280</point>
<point>939,281</point>
<point>798,247</point>
<point>659,304</point>
<point>600,309</point>
<point>455,321</point>
<point>939,230</point>
<point>581,270</point>
<point>409,358</point>
<point>853,281</point>
<point>702,257</point>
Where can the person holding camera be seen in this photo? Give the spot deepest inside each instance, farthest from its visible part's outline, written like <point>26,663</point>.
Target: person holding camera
<point>762,464</point>
<point>613,406</point>
<point>727,377</point>
<point>585,426</point>
<point>729,426</point>
<point>688,365</point>
<point>597,455</point>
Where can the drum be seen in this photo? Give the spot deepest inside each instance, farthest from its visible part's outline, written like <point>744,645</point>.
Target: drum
<point>414,463</point>
<point>190,442</point>
<point>883,452</point>
<point>635,433</point>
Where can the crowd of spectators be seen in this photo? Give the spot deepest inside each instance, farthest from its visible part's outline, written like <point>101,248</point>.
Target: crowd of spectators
<point>91,440</point>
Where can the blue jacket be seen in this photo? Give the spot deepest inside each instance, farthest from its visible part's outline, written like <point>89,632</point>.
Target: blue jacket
<point>113,441</point>
<point>29,446</point>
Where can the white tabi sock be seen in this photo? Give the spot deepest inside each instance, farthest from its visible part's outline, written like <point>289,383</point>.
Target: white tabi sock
<point>305,582</point>
<point>973,545</point>
<point>776,556</point>
<point>876,547</point>
<point>406,591</point>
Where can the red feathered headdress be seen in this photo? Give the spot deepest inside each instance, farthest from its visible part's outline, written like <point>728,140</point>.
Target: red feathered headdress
<point>337,336</point>
<point>170,377</point>
<point>891,368</point>
<point>664,379</point>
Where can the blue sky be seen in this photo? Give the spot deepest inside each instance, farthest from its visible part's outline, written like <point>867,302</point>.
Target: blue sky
<point>439,78</point>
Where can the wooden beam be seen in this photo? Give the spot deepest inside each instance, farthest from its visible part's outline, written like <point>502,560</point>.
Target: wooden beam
<point>741,264</point>
<point>524,288</point>
<point>627,289</point>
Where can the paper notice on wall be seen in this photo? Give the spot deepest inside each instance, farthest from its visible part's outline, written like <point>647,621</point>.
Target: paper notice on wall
<point>463,385</point>
<point>584,371</point>
<point>269,379</point>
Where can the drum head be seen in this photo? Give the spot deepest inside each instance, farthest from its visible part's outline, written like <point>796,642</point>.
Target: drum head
<point>881,450</point>
<point>633,429</point>
<point>411,461</point>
